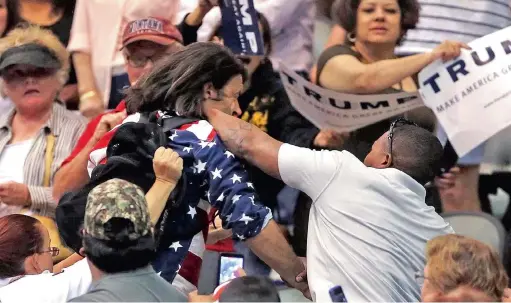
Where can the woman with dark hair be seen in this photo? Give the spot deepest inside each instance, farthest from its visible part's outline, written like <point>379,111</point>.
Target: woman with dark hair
<point>57,17</point>
<point>24,248</point>
<point>366,63</point>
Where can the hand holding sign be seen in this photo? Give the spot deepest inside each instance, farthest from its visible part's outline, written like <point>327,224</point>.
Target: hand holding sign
<point>240,29</point>
<point>208,4</point>
<point>448,50</point>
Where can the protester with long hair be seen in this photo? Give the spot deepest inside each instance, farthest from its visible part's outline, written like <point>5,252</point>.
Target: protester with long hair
<point>184,86</point>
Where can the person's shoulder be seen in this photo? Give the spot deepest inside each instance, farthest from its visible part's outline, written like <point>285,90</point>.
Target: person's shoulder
<point>99,296</point>
<point>201,129</point>
<point>338,50</point>
<point>68,117</point>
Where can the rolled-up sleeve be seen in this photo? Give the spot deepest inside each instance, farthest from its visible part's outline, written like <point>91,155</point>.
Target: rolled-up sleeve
<point>231,191</point>
<point>80,40</point>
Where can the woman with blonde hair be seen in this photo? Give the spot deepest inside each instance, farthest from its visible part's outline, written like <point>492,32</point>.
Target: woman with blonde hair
<point>37,133</point>
<point>459,268</point>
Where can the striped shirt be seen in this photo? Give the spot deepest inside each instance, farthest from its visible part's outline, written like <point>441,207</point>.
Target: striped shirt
<point>67,128</point>
<point>460,20</point>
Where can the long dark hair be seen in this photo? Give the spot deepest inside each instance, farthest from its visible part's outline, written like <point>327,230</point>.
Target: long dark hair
<point>176,83</point>
<point>20,238</point>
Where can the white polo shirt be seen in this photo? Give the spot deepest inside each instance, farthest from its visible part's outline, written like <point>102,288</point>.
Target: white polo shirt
<point>368,227</point>
<point>72,282</point>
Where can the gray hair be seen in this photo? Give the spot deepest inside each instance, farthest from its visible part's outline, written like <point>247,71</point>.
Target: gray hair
<point>177,82</point>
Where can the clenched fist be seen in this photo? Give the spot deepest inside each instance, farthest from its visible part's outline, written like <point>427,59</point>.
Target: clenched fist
<point>13,193</point>
<point>167,165</point>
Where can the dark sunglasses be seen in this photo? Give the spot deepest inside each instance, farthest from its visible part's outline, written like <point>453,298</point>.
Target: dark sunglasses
<point>398,122</point>
<point>20,74</point>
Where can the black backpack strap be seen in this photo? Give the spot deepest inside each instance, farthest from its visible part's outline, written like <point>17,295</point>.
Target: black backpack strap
<point>175,122</point>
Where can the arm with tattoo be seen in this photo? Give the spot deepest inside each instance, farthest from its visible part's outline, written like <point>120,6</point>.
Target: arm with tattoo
<point>247,141</point>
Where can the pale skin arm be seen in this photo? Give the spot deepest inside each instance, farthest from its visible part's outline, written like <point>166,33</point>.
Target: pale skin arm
<point>92,105</point>
<point>197,15</point>
<point>217,233</point>
<point>74,175</point>
<point>167,167</point>
<point>345,73</point>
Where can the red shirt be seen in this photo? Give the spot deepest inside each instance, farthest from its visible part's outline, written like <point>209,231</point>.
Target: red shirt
<point>89,132</point>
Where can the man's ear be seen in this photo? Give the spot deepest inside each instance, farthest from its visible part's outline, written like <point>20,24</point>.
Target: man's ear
<point>384,161</point>
<point>81,252</point>
<point>209,92</point>
<point>387,162</point>
<point>31,265</point>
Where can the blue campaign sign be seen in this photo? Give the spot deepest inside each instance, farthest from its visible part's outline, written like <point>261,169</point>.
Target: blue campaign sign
<point>240,29</point>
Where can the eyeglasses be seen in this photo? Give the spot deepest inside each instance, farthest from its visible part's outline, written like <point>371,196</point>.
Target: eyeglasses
<point>397,123</point>
<point>54,251</point>
<point>139,61</point>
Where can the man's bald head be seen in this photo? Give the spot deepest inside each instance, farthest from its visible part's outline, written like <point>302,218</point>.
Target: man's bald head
<point>415,151</point>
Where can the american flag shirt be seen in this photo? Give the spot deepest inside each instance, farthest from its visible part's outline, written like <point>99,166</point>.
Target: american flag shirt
<point>215,178</point>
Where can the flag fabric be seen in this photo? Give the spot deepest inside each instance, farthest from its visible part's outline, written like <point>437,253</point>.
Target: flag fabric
<point>215,178</point>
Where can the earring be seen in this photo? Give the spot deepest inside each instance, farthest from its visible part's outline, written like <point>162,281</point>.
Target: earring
<point>351,37</point>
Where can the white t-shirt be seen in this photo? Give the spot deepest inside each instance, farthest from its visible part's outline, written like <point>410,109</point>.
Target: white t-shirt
<point>12,162</point>
<point>72,282</point>
<point>368,227</point>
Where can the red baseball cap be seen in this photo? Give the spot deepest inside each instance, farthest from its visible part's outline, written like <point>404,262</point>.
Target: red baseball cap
<point>152,29</point>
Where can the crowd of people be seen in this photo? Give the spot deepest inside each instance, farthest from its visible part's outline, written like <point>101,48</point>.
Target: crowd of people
<point>136,149</point>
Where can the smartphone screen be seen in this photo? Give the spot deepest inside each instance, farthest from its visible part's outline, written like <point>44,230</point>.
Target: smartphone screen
<point>228,266</point>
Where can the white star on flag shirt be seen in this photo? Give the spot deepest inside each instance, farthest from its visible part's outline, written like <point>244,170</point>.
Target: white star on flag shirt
<point>175,246</point>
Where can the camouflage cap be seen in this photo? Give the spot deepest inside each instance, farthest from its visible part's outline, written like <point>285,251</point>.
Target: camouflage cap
<point>116,198</point>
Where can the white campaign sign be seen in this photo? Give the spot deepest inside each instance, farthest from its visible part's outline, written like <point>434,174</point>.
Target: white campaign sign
<point>471,95</point>
<point>343,112</point>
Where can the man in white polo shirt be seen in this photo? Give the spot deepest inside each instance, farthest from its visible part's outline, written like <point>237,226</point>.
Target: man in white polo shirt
<point>369,222</point>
